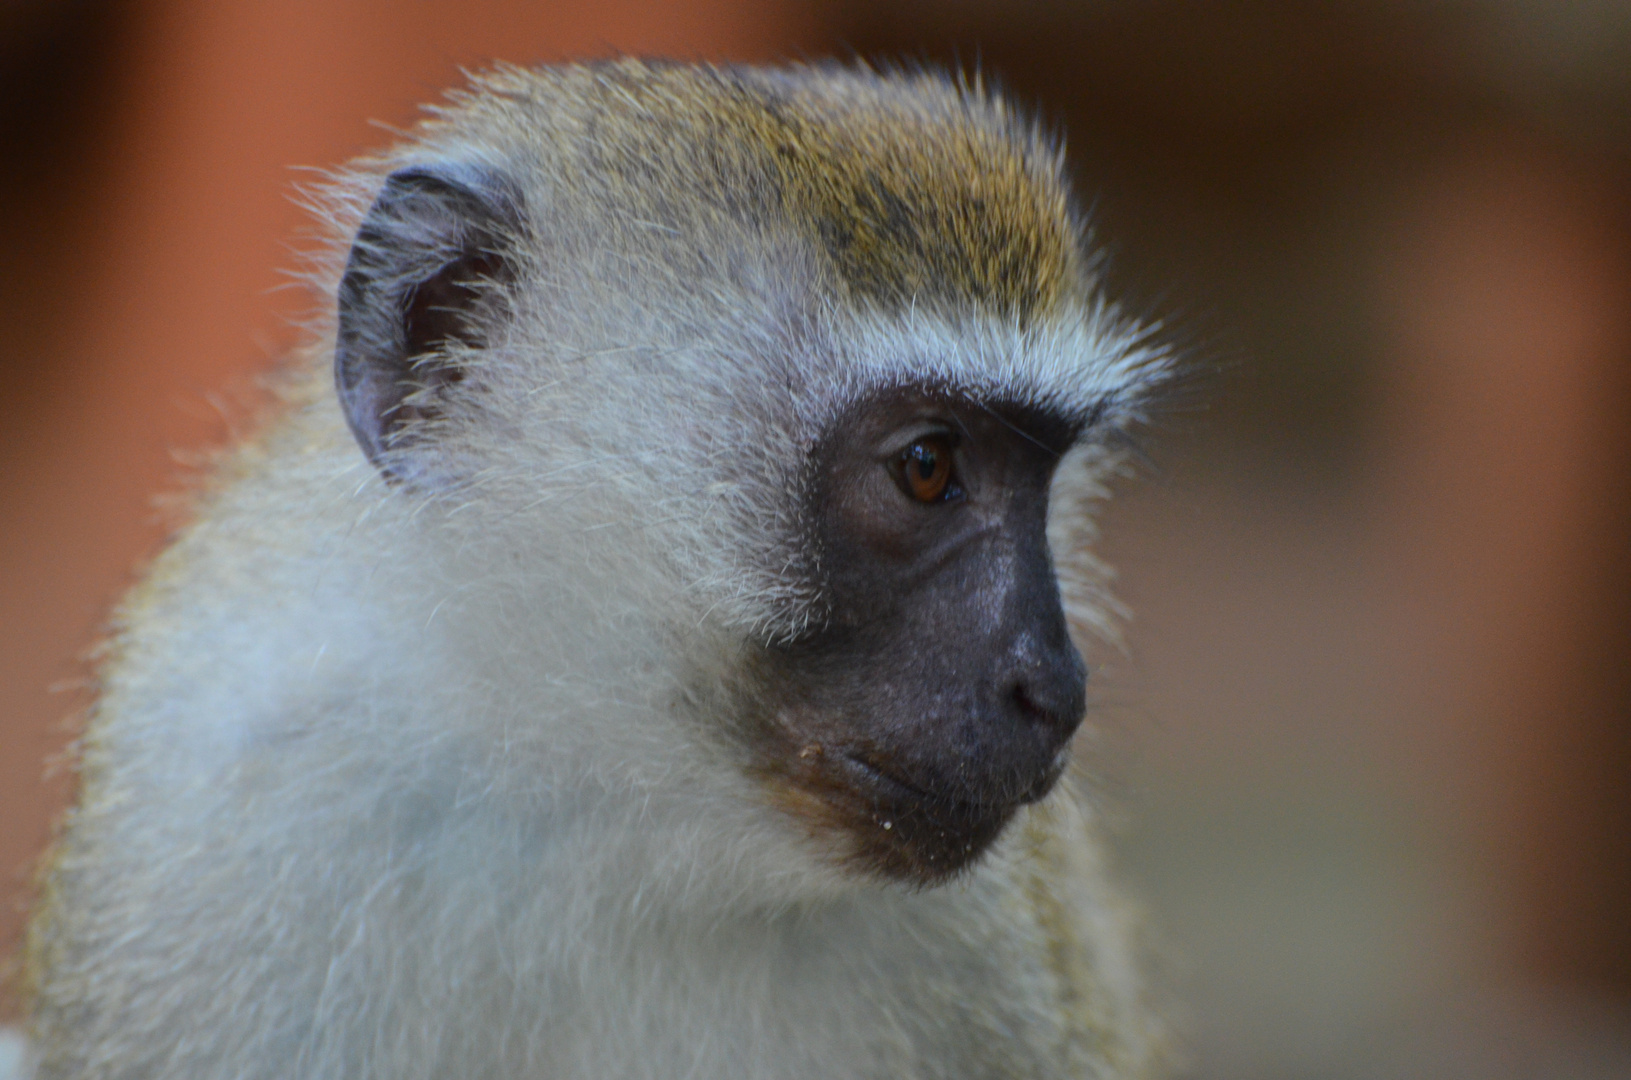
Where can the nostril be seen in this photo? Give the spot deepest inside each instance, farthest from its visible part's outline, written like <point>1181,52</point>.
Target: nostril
<point>1063,716</point>
<point>1026,705</point>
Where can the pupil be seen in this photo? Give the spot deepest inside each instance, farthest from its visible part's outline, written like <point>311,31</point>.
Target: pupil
<point>925,462</point>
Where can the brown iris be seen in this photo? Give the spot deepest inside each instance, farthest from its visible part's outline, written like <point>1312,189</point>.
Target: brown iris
<point>925,469</point>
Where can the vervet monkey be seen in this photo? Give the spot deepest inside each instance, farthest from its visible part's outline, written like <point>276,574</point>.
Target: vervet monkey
<point>650,662</point>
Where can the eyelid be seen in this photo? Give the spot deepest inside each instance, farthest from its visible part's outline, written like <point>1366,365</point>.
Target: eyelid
<point>902,440</point>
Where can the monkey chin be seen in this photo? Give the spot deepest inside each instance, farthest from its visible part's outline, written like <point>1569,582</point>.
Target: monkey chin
<point>881,825</point>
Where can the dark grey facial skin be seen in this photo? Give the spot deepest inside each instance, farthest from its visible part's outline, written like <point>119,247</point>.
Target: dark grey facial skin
<point>943,692</point>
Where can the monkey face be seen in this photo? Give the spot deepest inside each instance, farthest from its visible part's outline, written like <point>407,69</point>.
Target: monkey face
<point>942,692</point>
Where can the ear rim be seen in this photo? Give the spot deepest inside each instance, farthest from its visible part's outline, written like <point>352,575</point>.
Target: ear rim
<point>425,222</point>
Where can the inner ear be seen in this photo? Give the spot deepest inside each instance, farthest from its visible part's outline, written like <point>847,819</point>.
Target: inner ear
<point>422,277</point>
<point>441,308</point>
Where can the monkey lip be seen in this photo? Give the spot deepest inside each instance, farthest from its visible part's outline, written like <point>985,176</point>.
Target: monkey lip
<point>899,789</point>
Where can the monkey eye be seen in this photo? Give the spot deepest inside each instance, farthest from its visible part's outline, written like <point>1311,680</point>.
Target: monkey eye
<point>924,469</point>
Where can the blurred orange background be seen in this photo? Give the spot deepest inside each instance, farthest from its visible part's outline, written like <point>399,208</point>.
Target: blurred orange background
<point>1369,741</point>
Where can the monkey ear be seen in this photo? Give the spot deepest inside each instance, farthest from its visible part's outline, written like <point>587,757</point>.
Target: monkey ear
<point>420,277</point>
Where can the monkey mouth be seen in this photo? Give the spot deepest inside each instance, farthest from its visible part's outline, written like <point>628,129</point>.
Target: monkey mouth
<point>1005,801</point>
<point>908,831</point>
<point>874,814</point>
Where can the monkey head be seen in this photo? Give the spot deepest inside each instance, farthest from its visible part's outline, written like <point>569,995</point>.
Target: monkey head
<point>785,369</point>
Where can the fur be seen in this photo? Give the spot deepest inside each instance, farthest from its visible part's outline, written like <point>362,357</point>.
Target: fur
<point>438,779</point>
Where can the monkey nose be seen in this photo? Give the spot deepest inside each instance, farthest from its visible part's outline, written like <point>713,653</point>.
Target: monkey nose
<point>1050,692</point>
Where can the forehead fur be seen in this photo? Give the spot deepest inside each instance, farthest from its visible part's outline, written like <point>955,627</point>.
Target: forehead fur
<point>909,190</point>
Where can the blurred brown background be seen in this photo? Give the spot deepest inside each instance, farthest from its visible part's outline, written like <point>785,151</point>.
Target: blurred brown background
<point>1370,736</point>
